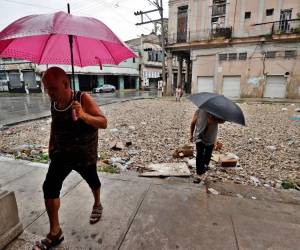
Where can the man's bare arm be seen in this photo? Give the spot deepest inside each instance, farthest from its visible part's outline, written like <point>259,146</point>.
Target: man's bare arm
<point>192,128</point>
<point>90,113</point>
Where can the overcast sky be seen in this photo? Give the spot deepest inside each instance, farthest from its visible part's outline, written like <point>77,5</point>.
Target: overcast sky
<point>116,14</point>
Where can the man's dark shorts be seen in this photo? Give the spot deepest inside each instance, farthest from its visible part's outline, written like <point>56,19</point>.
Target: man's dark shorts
<point>60,167</point>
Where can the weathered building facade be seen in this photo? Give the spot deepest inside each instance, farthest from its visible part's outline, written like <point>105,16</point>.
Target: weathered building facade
<point>238,48</point>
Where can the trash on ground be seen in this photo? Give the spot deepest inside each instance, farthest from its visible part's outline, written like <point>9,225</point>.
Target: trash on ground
<point>271,148</point>
<point>255,181</point>
<point>213,191</point>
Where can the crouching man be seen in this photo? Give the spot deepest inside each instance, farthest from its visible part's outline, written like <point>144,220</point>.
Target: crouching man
<point>203,132</point>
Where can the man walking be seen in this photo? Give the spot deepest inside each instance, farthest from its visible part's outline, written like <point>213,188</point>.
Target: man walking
<point>73,144</point>
<point>204,130</point>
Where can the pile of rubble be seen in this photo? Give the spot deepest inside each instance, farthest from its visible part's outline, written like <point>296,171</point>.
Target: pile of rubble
<point>149,131</point>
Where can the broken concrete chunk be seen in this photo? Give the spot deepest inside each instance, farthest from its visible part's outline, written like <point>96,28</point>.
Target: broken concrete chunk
<point>166,170</point>
<point>116,145</point>
<point>185,151</point>
<point>228,160</point>
<point>218,146</point>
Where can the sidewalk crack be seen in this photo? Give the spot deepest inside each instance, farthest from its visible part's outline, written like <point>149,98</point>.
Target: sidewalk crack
<point>235,237</point>
<point>122,238</point>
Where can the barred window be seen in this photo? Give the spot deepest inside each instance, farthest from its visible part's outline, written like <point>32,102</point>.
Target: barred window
<point>242,56</point>
<point>223,57</point>
<point>232,56</point>
<point>270,54</point>
<point>290,54</point>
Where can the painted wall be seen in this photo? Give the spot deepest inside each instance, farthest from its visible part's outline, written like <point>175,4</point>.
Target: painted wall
<point>253,71</point>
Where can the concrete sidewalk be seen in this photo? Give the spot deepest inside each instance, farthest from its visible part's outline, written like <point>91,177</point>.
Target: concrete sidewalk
<point>144,213</point>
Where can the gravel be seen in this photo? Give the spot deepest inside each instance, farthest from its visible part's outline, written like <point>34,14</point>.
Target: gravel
<point>268,147</point>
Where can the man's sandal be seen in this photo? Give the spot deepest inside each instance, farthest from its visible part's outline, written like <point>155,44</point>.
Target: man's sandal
<point>96,214</point>
<point>50,241</point>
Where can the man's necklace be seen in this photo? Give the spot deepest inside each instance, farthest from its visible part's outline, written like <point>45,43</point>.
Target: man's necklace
<point>69,106</point>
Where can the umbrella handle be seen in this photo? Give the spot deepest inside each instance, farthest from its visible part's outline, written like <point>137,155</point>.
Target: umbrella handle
<point>74,116</point>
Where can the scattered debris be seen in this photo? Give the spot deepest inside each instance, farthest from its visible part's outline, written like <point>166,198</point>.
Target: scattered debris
<point>239,196</point>
<point>166,130</point>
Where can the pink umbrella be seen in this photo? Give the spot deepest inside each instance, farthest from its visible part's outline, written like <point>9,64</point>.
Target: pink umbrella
<point>46,39</point>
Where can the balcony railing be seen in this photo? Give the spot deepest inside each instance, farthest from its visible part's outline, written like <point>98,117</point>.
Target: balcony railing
<point>181,37</point>
<point>225,32</point>
<point>201,35</point>
<point>218,10</point>
<point>286,27</point>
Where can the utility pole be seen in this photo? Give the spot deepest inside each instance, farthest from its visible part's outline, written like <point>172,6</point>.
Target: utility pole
<point>159,8</point>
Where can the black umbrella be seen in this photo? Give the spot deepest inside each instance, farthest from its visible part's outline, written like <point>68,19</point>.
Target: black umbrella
<point>219,106</point>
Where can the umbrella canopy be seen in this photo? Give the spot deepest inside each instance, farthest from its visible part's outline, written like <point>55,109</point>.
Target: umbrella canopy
<point>44,39</point>
<point>219,106</point>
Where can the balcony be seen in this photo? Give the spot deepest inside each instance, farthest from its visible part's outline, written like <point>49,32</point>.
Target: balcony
<point>225,32</point>
<point>286,27</point>
<point>200,35</point>
<point>181,37</point>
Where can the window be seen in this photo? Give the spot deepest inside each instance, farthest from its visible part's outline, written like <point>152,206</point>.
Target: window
<point>133,59</point>
<point>269,12</point>
<point>232,56</point>
<point>7,59</point>
<point>222,57</point>
<point>247,14</point>
<point>290,54</point>
<point>214,19</point>
<point>243,56</point>
<point>2,75</point>
<point>271,54</point>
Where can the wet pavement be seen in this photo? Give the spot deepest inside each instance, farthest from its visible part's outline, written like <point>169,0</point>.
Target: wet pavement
<point>15,108</point>
<point>153,213</point>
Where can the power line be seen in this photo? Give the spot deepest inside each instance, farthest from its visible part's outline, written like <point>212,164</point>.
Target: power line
<point>30,4</point>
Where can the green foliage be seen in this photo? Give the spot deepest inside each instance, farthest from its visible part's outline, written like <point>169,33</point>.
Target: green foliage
<point>288,184</point>
<point>111,169</point>
<point>42,158</point>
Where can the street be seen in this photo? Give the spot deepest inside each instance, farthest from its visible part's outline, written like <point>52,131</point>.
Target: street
<point>15,108</point>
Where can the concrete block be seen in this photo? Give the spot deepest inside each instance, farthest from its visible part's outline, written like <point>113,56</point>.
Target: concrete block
<point>10,226</point>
